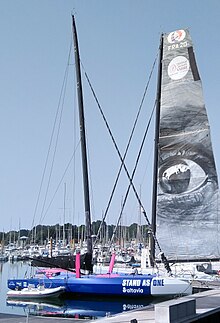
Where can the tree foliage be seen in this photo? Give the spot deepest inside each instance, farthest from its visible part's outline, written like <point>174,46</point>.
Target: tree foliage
<point>41,234</point>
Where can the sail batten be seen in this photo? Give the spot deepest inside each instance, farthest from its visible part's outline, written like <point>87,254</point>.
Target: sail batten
<point>187,216</point>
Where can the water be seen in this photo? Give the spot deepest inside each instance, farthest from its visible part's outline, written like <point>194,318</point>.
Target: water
<point>10,270</point>
<point>88,308</point>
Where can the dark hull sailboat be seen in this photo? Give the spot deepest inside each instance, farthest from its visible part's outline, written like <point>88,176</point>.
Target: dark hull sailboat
<point>186,215</point>
<point>63,261</point>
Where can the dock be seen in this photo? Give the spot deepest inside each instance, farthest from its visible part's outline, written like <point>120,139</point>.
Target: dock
<point>200,307</point>
<point>11,318</point>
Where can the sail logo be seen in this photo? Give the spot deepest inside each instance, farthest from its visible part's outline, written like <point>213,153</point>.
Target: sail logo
<point>176,36</point>
<point>177,45</point>
<point>178,68</point>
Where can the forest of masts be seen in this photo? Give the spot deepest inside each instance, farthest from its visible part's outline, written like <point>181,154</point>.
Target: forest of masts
<point>67,233</point>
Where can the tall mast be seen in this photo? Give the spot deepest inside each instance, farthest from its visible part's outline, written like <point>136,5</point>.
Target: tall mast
<point>156,141</point>
<point>83,140</point>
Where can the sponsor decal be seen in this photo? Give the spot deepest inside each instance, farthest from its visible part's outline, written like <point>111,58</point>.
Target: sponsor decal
<point>135,282</point>
<point>131,306</point>
<point>182,44</point>
<point>146,282</point>
<point>135,286</point>
<point>132,290</point>
<point>178,68</point>
<point>176,36</point>
<point>158,282</point>
<point>131,282</point>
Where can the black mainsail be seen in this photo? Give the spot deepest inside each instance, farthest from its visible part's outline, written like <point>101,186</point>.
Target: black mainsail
<point>187,216</point>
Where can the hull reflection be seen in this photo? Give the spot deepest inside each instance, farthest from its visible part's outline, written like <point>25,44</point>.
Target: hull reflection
<point>83,308</point>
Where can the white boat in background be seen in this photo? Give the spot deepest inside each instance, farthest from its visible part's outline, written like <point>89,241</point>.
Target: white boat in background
<point>32,292</point>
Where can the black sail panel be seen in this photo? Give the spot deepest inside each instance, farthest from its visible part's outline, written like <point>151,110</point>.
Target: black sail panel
<point>187,221</point>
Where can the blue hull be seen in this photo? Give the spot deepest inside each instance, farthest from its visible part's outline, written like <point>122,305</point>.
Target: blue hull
<point>123,285</point>
<point>110,285</point>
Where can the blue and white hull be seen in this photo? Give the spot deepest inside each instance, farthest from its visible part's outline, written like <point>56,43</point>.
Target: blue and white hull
<point>112,285</point>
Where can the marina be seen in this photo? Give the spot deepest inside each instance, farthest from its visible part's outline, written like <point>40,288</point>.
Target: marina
<point>201,307</point>
<point>168,181</point>
<point>83,308</point>
<point>166,270</point>
<point>102,310</point>
<point>179,176</point>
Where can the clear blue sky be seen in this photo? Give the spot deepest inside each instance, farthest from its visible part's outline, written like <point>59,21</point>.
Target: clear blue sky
<point>118,42</point>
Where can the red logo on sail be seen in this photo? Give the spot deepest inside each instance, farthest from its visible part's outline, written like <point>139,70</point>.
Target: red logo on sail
<point>176,36</point>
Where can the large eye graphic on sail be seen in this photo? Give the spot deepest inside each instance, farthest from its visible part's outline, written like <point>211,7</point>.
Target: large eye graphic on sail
<point>181,176</point>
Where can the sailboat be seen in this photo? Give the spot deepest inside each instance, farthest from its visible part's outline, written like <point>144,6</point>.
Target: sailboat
<point>109,284</point>
<point>185,215</point>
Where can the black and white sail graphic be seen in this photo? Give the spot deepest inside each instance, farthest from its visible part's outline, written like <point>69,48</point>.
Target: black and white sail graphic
<point>187,222</point>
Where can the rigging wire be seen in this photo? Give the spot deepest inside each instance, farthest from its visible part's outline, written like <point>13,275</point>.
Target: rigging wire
<point>63,88</point>
<point>61,180</point>
<point>132,176</point>
<point>122,162</point>
<point>56,143</point>
<point>128,144</point>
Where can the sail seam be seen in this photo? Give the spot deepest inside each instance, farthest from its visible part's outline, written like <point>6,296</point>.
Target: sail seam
<point>184,133</point>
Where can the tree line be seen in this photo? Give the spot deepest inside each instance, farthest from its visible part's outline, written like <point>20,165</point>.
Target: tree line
<point>68,232</point>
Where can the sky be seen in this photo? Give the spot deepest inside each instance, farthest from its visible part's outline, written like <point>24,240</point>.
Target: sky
<point>118,43</point>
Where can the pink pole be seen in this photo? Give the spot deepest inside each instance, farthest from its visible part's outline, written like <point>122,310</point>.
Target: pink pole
<point>77,265</point>
<point>112,262</point>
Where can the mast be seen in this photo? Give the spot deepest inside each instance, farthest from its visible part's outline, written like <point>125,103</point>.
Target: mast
<point>83,140</point>
<point>155,167</point>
